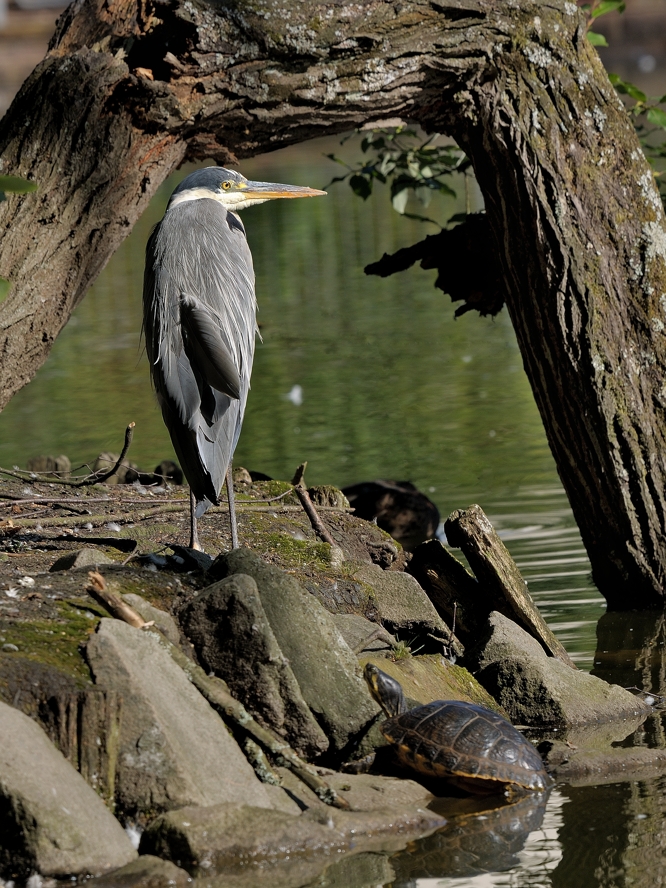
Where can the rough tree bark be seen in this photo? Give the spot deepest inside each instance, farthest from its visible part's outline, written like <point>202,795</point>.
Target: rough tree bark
<point>131,88</point>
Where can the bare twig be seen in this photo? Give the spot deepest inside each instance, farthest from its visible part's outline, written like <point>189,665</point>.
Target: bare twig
<point>92,478</point>
<point>98,589</point>
<point>20,501</point>
<point>101,477</point>
<point>216,691</point>
<point>301,492</point>
<point>274,499</point>
<point>99,519</point>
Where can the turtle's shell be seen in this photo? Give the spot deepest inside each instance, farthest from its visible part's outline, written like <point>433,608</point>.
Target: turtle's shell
<point>452,739</point>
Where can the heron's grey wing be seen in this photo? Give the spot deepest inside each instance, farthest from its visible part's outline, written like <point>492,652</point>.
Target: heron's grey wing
<point>197,256</point>
<point>206,348</point>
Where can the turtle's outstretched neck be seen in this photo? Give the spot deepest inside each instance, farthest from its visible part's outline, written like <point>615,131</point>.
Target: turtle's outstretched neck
<point>385,690</point>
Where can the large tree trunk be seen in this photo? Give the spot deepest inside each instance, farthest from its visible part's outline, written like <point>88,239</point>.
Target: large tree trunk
<point>131,88</point>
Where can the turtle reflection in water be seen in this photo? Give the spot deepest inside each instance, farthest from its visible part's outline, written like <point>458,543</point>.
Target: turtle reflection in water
<point>470,746</point>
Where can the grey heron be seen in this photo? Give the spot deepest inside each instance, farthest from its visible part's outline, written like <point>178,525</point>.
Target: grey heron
<point>199,322</point>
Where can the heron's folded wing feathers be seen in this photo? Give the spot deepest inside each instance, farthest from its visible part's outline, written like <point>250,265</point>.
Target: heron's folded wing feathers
<point>206,349</point>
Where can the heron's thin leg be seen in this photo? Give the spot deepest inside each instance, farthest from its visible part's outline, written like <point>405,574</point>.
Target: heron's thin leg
<point>232,508</point>
<point>194,533</point>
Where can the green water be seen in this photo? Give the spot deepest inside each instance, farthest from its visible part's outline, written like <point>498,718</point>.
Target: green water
<point>392,387</point>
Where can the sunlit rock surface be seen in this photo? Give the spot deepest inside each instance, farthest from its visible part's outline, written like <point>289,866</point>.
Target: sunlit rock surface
<point>51,821</point>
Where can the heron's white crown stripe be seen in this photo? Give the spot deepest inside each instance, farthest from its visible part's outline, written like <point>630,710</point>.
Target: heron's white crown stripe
<point>234,200</point>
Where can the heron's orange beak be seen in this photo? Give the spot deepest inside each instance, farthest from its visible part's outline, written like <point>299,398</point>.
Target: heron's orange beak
<point>273,190</point>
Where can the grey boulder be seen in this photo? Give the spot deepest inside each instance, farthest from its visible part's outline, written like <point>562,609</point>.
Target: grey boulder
<point>400,601</point>
<point>325,667</point>
<point>233,638</point>
<point>539,690</point>
<point>86,557</point>
<point>363,635</point>
<point>174,749</point>
<point>145,872</point>
<point>51,821</point>
<point>224,837</point>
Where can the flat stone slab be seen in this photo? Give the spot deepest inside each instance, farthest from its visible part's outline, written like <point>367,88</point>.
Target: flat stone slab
<point>540,691</point>
<point>223,837</point>
<point>325,667</point>
<point>86,557</point>
<point>362,792</point>
<point>51,821</point>
<point>358,633</point>
<point>174,748</point>
<point>400,600</point>
<point>587,768</point>
<point>146,872</point>
<point>431,677</point>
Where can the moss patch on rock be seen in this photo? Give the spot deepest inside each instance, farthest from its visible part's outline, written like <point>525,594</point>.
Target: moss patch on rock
<point>54,642</point>
<point>429,678</point>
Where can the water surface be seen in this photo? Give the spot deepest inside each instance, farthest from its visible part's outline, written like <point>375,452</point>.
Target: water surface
<point>392,387</point>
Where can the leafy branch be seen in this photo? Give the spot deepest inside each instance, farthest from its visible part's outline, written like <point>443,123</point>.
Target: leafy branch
<point>410,163</point>
<point>596,9</point>
<point>401,158</point>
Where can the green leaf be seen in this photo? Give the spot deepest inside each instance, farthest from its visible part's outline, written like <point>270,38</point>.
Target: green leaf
<point>4,288</point>
<point>607,6</point>
<point>657,117</point>
<point>615,79</point>
<point>596,39</point>
<point>635,92</point>
<point>17,185</point>
<point>399,201</point>
<point>422,219</point>
<point>361,186</point>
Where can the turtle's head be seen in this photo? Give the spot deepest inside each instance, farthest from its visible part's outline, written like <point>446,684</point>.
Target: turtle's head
<point>385,690</point>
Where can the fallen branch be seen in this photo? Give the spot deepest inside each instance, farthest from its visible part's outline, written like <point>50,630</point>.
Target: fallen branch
<point>216,691</point>
<point>101,477</point>
<point>301,492</point>
<point>498,574</point>
<point>98,519</point>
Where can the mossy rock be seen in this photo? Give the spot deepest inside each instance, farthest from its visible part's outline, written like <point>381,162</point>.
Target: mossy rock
<point>429,678</point>
<point>54,643</point>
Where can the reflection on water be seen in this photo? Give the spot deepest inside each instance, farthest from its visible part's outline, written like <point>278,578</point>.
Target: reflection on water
<point>489,840</point>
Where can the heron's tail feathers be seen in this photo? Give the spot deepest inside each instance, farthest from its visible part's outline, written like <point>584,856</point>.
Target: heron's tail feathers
<point>202,507</point>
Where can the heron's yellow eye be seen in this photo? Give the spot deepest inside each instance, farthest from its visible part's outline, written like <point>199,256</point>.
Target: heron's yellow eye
<point>226,185</point>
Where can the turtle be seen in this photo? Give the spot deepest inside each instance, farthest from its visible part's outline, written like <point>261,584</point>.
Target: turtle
<point>469,745</point>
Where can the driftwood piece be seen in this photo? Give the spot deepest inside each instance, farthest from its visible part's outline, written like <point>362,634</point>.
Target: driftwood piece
<point>216,691</point>
<point>455,593</point>
<point>471,531</point>
<point>85,726</point>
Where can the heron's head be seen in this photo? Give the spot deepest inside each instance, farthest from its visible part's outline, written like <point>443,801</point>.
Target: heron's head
<point>232,190</point>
